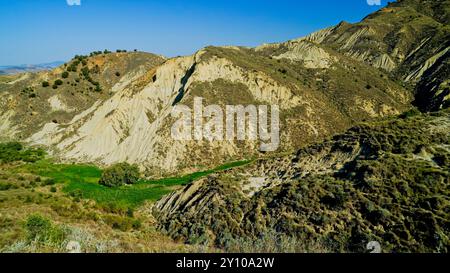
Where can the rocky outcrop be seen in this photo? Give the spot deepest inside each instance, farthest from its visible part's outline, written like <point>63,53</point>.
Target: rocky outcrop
<point>408,39</point>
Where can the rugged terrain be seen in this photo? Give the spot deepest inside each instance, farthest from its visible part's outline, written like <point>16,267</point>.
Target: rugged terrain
<point>129,119</point>
<point>384,181</point>
<point>357,161</point>
<point>119,108</point>
<point>320,91</point>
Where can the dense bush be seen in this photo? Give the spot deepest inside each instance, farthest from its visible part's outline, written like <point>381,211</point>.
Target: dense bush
<point>15,151</point>
<point>65,75</point>
<point>40,229</point>
<point>28,90</point>
<point>410,113</point>
<point>120,174</point>
<point>122,223</point>
<point>45,84</point>
<point>72,68</point>
<point>98,88</point>
<point>85,73</point>
<point>59,82</point>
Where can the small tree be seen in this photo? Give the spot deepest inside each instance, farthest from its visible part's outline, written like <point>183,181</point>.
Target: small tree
<point>58,82</point>
<point>45,84</point>
<point>120,174</point>
<point>98,88</point>
<point>65,75</point>
<point>42,230</point>
<point>38,227</point>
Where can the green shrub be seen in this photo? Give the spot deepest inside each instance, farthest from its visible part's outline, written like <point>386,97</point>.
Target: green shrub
<point>45,84</point>
<point>122,223</point>
<point>411,113</point>
<point>98,88</point>
<point>59,82</point>
<point>5,186</point>
<point>85,72</point>
<point>40,229</point>
<point>65,75</point>
<point>72,68</point>
<point>120,174</point>
<point>49,182</point>
<point>118,74</point>
<point>15,151</point>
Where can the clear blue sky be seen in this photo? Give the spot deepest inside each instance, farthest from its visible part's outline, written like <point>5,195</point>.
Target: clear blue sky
<point>38,31</point>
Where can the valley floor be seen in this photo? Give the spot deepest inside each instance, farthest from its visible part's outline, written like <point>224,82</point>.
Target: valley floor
<point>44,206</point>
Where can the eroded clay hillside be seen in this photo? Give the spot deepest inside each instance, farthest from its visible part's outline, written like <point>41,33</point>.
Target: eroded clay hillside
<point>319,91</point>
<point>30,101</point>
<point>410,39</point>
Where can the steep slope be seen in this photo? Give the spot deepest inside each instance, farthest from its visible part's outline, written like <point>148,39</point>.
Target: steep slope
<point>31,100</point>
<point>386,181</point>
<point>409,38</point>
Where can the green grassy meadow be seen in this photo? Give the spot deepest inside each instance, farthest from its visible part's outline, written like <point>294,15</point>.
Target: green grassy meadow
<point>81,181</point>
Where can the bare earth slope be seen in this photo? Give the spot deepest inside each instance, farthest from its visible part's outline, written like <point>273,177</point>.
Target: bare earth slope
<point>410,39</point>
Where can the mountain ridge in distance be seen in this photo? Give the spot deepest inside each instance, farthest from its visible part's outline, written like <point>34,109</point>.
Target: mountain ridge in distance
<point>24,68</point>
